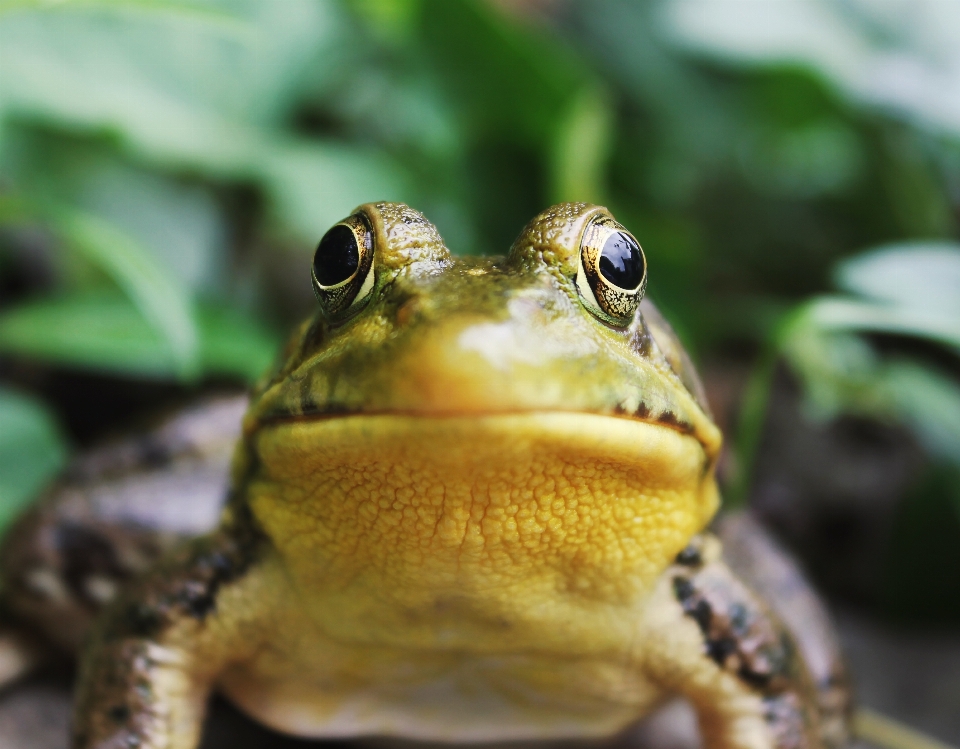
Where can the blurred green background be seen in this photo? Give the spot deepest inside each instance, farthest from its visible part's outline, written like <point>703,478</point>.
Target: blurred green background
<point>791,169</point>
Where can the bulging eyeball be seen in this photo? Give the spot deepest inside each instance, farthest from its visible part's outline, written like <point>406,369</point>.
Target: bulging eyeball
<point>612,273</point>
<point>343,267</point>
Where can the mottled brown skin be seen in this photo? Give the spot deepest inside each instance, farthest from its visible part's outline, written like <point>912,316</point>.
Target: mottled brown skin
<point>742,638</point>
<point>297,605</point>
<point>767,569</point>
<point>113,514</point>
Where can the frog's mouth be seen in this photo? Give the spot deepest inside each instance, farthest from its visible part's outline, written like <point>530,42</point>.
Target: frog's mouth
<point>461,387</point>
<point>701,429</point>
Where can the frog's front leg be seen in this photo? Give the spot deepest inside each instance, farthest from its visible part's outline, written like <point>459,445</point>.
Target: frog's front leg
<point>153,658</point>
<point>711,639</point>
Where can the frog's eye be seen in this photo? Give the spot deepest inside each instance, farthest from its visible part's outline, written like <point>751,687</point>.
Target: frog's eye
<point>343,267</point>
<point>612,273</point>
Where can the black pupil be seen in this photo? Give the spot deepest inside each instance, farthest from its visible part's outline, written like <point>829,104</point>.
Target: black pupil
<point>621,261</point>
<point>337,256</point>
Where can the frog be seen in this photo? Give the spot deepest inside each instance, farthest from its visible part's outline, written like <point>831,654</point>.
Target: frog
<point>473,502</point>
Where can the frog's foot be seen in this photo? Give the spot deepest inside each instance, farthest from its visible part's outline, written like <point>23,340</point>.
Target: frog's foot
<point>713,640</point>
<point>146,674</point>
<point>20,652</point>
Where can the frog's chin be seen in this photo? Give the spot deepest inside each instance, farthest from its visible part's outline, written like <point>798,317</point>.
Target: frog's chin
<point>594,505</point>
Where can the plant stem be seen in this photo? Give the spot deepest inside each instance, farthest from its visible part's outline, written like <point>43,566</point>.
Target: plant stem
<point>883,731</point>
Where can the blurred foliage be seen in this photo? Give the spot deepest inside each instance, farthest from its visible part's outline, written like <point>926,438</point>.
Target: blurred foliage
<point>907,291</point>
<point>166,167</point>
<point>31,450</point>
<point>921,568</point>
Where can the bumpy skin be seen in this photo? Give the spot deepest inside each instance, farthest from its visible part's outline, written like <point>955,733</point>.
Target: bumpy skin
<point>470,512</point>
<point>757,560</point>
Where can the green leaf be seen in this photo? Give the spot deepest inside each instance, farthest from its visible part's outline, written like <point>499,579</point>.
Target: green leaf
<point>93,331</point>
<point>514,81</point>
<point>582,148</point>
<point>106,332</point>
<point>392,19</point>
<point>842,314</point>
<point>929,402</point>
<point>13,209</point>
<point>181,84</point>
<point>31,451</point>
<point>176,9</point>
<point>922,276</point>
<point>179,223</point>
<point>161,299</point>
<point>234,344</point>
<point>842,373</point>
<point>837,369</point>
<point>894,57</point>
<point>90,68</point>
<point>313,185</point>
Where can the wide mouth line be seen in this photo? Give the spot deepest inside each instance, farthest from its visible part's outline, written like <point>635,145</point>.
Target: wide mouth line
<point>666,419</point>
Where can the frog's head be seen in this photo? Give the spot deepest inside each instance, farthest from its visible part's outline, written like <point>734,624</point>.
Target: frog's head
<point>406,328</point>
<point>499,385</point>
